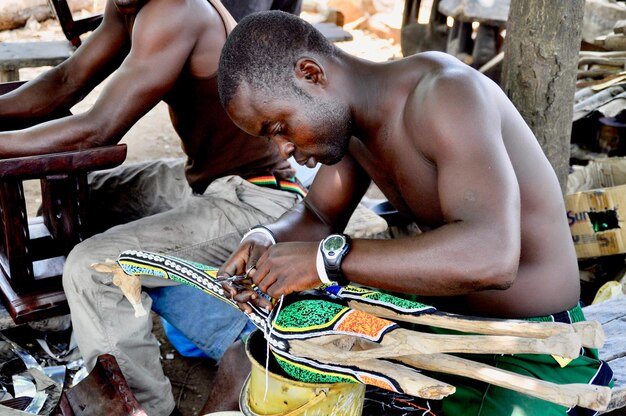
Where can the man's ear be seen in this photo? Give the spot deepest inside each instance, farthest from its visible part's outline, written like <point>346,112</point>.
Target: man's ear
<point>310,70</point>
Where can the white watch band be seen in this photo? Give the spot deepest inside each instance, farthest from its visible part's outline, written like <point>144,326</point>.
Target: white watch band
<point>319,265</point>
<point>260,230</point>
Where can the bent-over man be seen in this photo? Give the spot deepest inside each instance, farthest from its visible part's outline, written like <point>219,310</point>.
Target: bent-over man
<point>449,151</point>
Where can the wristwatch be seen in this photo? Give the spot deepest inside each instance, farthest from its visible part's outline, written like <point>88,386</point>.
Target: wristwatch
<point>334,248</point>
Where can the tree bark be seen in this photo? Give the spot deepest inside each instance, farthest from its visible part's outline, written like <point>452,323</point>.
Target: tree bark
<point>539,71</point>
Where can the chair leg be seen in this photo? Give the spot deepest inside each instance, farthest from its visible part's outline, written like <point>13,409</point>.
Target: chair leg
<point>16,264</point>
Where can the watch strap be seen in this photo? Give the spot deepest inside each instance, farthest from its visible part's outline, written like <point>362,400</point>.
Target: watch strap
<point>321,268</point>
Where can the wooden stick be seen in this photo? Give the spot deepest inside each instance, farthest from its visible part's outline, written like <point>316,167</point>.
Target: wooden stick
<point>411,342</point>
<point>588,396</point>
<point>401,342</point>
<point>618,61</point>
<point>410,381</point>
<point>591,334</point>
<point>569,395</point>
<point>612,54</point>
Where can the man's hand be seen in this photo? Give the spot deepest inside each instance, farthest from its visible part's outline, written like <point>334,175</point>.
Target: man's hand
<point>286,268</point>
<point>241,262</point>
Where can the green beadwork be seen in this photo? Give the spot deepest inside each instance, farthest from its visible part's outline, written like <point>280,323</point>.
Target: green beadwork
<point>399,302</point>
<point>308,313</point>
<point>307,376</point>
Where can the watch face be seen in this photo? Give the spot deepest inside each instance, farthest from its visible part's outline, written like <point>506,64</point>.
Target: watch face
<point>334,243</point>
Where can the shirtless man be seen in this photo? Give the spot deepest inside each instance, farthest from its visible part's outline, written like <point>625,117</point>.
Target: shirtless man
<point>198,209</point>
<point>449,151</point>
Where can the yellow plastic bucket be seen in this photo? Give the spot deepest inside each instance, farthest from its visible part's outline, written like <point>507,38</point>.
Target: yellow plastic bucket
<point>286,397</point>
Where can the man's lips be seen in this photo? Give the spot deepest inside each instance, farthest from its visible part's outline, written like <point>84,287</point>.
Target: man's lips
<point>309,162</point>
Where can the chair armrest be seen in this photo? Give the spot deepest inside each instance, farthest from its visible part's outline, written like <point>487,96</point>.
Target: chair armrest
<point>32,167</point>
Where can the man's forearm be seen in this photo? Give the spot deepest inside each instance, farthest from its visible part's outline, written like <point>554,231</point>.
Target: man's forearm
<point>39,98</point>
<point>300,223</point>
<point>69,133</point>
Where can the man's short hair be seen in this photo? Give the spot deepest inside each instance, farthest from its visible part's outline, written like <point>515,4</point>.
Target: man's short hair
<point>263,50</point>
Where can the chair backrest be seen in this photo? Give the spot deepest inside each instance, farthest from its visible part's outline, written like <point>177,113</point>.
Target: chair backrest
<point>72,29</point>
<point>33,250</point>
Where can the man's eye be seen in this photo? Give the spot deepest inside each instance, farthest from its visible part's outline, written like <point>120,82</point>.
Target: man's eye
<point>276,130</point>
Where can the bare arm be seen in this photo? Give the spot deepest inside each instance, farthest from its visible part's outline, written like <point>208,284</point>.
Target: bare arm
<point>332,199</point>
<point>69,82</point>
<point>162,40</point>
<point>333,196</point>
<point>479,246</point>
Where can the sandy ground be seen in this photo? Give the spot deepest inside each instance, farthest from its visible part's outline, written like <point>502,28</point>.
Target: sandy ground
<point>151,138</point>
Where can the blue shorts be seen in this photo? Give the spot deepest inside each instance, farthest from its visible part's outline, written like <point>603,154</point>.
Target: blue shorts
<point>210,324</point>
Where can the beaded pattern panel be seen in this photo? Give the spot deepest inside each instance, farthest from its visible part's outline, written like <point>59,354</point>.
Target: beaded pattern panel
<point>316,317</point>
<point>300,319</point>
<point>376,298</point>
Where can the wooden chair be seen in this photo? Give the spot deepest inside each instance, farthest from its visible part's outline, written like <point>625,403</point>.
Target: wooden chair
<point>72,29</point>
<point>33,250</point>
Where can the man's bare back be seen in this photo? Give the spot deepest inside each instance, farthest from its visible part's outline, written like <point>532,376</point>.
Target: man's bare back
<point>402,161</point>
<point>449,151</point>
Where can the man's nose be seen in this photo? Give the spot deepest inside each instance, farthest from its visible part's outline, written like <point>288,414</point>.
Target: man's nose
<point>285,147</point>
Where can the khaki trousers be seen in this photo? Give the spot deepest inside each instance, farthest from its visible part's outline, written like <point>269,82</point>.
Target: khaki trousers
<point>156,211</point>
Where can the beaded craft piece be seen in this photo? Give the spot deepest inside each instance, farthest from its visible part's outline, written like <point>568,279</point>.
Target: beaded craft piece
<point>385,300</point>
<point>296,319</point>
<point>340,334</point>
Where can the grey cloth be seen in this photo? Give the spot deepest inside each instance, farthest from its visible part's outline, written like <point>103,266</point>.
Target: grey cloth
<point>241,8</point>
<point>157,212</point>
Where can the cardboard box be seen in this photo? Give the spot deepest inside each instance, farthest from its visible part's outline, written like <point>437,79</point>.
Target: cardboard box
<point>597,212</point>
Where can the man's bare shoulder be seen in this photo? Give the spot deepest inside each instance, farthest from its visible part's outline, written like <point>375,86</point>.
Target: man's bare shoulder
<point>180,17</point>
<point>444,83</point>
<point>446,94</point>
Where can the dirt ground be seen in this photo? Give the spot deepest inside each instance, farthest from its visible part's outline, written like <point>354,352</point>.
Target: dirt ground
<point>153,137</point>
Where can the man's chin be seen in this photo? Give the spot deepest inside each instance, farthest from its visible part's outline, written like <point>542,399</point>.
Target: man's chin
<point>332,160</point>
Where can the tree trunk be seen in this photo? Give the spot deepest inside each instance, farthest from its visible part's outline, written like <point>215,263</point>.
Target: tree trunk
<point>539,72</point>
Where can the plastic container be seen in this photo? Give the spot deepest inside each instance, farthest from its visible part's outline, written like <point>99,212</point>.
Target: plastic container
<point>287,397</point>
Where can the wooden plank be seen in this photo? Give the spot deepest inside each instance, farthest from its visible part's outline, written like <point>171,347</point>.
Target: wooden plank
<point>620,27</point>
<point>332,32</point>
<point>37,305</point>
<point>492,13</point>
<point>611,42</point>
<point>15,55</point>
<point>612,315</point>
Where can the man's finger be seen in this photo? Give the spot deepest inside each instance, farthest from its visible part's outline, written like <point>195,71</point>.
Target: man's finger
<point>266,283</point>
<point>262,303</point>
<point>229,289</point>
<point>231,267</point>
<point>245,308</point>
<point>245,296</point>
<point>276,290</point>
